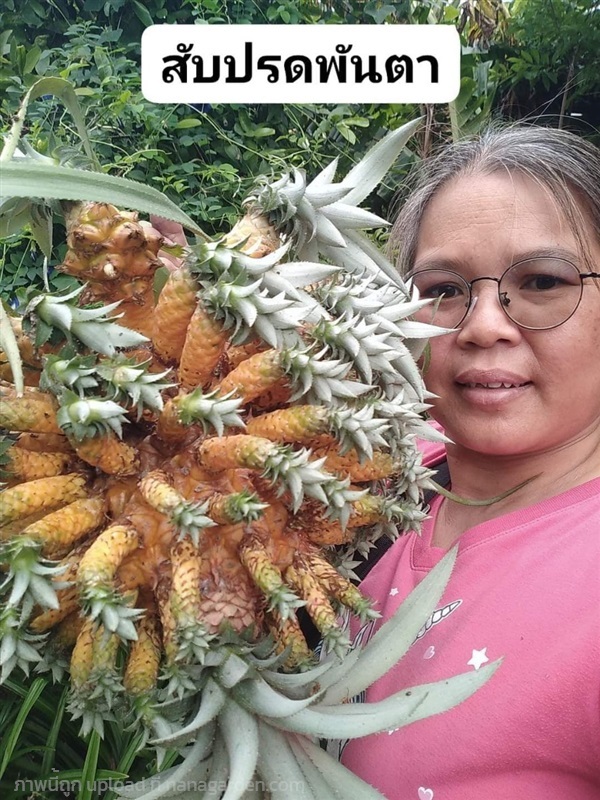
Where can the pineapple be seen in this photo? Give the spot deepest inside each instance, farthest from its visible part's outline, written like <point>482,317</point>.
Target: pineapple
<point>193,461</point>
<point>117,257</point>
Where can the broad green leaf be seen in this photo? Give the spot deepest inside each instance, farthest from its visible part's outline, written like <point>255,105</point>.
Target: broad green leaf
<point>31,59</point>
<point>66,183</point>
<point>4,37</point>
<point>160,278</point>
<point>258,133</point>
<point>142,14</point>
<point>42,333</point>
<point>13,222</point>
<point>379,13</point>
<point>188,122</point>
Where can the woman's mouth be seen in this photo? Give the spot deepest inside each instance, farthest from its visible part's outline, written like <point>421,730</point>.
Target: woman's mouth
<point>496,385</point>
<point>492,394</point>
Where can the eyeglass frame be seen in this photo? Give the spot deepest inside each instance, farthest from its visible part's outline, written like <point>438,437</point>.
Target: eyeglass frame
<point>503,305</point>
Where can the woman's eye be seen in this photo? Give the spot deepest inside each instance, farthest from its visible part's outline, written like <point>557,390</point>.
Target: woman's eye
<point>540,283</point>
<point>448,291</point>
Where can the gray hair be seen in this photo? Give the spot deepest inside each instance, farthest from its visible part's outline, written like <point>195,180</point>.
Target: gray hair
<point>563,163</point>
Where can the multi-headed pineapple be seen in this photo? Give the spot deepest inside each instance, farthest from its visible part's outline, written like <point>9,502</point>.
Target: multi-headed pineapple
<point>175,481</point>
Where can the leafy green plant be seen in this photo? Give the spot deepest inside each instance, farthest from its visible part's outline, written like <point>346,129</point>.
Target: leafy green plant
<point>552,66</point>
<point>42,750</point>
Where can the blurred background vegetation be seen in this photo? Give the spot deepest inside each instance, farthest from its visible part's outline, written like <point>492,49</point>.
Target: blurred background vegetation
<point>527,59</point>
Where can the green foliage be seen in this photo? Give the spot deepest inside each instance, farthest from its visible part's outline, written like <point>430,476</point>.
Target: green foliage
<point>472,108</point>
<point>551,67</point>
<point>549,35</point>
<point>43,753</point>
<point>22,265</point>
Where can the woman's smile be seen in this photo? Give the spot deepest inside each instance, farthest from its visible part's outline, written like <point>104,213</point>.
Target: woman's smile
<point>491,388</point>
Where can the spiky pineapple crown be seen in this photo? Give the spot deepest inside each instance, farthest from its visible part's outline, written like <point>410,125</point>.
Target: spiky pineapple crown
<point>51,316</point>
<point>27,582</point>
<point>211,409</point>
<point>89,417</point>
<point>96,394</point>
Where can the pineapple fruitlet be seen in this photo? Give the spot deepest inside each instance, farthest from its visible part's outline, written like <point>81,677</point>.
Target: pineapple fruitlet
<point>178,471</point>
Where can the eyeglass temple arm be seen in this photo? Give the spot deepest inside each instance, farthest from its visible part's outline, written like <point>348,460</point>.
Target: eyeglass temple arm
<point>583,275</point>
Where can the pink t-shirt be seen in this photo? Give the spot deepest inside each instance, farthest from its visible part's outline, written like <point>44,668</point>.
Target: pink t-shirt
<point>526,586</point>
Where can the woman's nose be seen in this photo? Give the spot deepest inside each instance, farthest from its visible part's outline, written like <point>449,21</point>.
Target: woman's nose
<point>486,320</point>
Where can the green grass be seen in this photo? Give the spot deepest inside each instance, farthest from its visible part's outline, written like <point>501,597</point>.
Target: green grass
<point>41,750</point>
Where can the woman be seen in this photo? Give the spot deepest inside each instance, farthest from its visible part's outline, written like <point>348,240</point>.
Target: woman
<point>504,234</point>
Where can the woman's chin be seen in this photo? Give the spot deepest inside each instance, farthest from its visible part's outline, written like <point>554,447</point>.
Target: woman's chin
<point>494,439</point>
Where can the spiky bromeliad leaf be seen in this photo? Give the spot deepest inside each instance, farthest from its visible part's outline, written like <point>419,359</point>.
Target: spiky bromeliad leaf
<point>248,308</point>
<point>295,471</point>
<point>191,519</point>
<point>111,608</point>
<point>321,217</point>
<point>268,276</point>
<point>129,381</point>
<point>66,93</point>
<point>16,213</point>
<point>89,416</point>
<point>244,506</point>
<point>91,326</point>
<point>20,648</point>
<point>370,170</point>
<point>75,373</point>
<point>313,376</point>
<point>26,581</point>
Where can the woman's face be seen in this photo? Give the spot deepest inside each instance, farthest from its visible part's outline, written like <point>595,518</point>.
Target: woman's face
<point>478,226</point>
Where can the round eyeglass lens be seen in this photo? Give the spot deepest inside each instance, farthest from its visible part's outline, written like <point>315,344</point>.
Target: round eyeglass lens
<point>540,292</point>
<point>449,293</point>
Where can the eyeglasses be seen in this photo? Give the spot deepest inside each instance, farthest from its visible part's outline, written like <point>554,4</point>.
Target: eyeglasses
<point>537,293</point>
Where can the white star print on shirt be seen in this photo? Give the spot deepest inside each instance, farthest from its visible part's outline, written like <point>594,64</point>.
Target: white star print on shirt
<point>393,592</point>
<point>478,658</point>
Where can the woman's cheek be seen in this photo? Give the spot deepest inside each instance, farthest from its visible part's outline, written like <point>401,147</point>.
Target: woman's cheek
<point>433,364</point>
